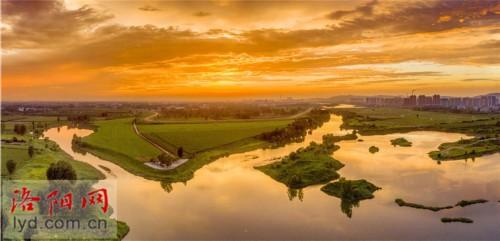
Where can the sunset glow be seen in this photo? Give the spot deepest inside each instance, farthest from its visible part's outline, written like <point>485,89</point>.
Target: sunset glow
<point>167,50</point>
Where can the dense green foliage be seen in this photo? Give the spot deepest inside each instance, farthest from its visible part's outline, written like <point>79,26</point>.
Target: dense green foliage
<point>374,121</point>
<point>20,129</point>
<point>297,130</point>
<point>226,111</point>
<point>373,149</point>
<point>198,137</point>
<point>306,166</point>
<point>402,203</point>
<point>350,192</point>
<point>401,142</point>
<point>467,148</point>
<point>11,166</point>
<point>61,170</point>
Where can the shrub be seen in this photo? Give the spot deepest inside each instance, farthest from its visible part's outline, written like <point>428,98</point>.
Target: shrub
<point>61,170</point>
<point>11,166</point>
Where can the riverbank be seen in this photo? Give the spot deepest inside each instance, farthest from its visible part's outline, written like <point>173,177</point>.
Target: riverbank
<point>467,148</point>
<point>46,152</point>
<point>117,141</point>
<point>378,121</point>
<point>229,188</point>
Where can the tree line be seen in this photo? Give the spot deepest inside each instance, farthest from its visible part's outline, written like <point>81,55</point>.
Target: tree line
<point>298,129</point>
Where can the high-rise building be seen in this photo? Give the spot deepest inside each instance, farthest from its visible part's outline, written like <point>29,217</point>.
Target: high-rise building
<point>413,100</point>
<point>436,100</point>
<point>421,100</point>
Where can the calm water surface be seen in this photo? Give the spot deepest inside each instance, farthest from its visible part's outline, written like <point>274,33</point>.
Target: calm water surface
<point>228,199</point>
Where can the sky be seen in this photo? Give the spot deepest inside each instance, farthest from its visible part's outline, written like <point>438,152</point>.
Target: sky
<point>224,49</point>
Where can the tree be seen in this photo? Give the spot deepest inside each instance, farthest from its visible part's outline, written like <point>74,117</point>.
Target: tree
<point>61,170</point>
<point>180,151</point>
<point>20,129</point>
<point>165,159</point>
<point>11,166</point>
<point>31,151</point>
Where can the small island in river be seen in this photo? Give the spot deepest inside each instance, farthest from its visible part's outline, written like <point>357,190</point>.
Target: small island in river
<point>373,149</point>
<point>465,203</point>
<point>308,166</point>
<point>402,203</point>
<point>350,192</point>
<point>456,220</point>
<point>353,190</point>
<point>401,142</point>
<point>465,148</point>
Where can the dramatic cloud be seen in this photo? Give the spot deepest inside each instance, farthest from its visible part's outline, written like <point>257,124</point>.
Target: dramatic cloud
<point>33,24</point>
<point>364,10</point>
<point>245,49</point>
<point>403,17</point>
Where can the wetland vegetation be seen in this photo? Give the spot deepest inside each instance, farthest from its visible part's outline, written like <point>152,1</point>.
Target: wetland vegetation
<point>465,203</point>
<point>385,120</point>
<point>401,142</point>
<point>403,203</point>
<point>306,166</point>
<point>455,220</point>
<point>350,192</point>
<point>373,149</point>
<point>114,140</point>
<point>467,148</point>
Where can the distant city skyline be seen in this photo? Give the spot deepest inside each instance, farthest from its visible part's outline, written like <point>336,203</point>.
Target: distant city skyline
<point>85,50</point>
<point>478,103</point>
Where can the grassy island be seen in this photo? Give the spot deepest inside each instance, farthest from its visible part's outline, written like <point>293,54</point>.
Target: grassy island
<point>465,203</point>
<point>455,220</point>
<point>373,149</point>
<point>352,190</point>
<point>307,166</point>
<point>401,142</point>
<point>402,203</point>
<point>467,148</point>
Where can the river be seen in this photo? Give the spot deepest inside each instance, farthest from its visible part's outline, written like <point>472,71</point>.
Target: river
<point>228,199</point>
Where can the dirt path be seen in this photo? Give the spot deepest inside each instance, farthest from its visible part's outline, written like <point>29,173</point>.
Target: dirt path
<point>175,164</point>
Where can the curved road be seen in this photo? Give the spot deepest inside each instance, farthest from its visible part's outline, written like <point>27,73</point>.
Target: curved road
<point>175,164</point>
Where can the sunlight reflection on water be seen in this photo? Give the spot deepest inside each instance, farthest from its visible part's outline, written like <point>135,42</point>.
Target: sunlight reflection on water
<point>229,199</point>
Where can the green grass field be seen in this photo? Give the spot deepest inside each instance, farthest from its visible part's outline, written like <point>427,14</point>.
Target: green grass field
<point>468,148</point>
<point>197,137</point>
<point>116,141</point>
<point>391,120</point>
<point>46,152</point>
<point>119,137</point>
